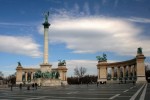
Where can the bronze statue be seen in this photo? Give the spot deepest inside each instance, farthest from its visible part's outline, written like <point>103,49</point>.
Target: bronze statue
<point>46,14</point>
<point>139,51</point>
<point>62,63</point>
<point>19,64</point>
<point>101,59</point>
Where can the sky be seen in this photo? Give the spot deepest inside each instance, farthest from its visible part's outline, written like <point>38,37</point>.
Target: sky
<point>80,30</point>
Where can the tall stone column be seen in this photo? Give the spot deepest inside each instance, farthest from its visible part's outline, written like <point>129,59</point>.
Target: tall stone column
<point>46,66</point>
<point>46,28</point>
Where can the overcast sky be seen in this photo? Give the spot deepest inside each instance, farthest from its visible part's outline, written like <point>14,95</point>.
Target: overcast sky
<point>80,30</point>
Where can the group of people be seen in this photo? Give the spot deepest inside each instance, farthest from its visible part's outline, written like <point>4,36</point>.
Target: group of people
<point>34,86</point>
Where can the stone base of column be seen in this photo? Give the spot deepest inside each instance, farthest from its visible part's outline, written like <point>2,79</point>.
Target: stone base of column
<point>102,80</point>
<point>18,82</point>
<point>64,83</point>
<point>46,67</point>
<point>141,79</point>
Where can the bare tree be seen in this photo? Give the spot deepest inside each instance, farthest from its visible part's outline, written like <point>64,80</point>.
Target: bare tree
<point>80,71</point>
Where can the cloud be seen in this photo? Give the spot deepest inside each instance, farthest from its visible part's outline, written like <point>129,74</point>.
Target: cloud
<point>19,45</point>
<point>139,20</point>
<point>86,8</point>
<point>90,34</point>
<point>98,34</point>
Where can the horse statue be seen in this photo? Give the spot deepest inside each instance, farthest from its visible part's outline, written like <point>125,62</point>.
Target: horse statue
<point>103,58</point>
<point>62,63</point>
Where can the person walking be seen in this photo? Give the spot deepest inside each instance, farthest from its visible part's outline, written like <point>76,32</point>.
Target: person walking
<point>33,86</point>
<point>36,86</point>
<point>20,86</point>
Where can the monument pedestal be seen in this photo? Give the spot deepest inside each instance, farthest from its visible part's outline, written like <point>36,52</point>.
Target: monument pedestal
<point>140,68</point>
<point>46,67</point>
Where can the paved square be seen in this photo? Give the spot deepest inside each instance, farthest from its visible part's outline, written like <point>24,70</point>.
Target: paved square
<point>77,92</point>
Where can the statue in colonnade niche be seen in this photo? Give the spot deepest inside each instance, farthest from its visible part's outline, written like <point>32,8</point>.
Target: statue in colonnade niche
<point>47,75</point>
<point>57,75</point>
<point>103,58</point>
<point>51,75</point>
<point>38,74</point>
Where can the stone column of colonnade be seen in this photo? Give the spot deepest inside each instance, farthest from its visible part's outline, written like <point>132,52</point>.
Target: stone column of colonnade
<point>134,71</point>
<point>98,73</point>
<point>32,75</point>
<point>129,71</point>
<point>112,73</point>
<point>26,76</point>
<point>124,71</point>
<point>118,72</point>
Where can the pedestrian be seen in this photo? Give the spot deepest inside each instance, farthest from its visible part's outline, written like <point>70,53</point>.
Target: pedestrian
<point>97,84</point>
<point>20,86</point>
<point>133,82</point>
<point>36,86</point>
<point>33,86</point>
<point>11,86</point>
<point>28,87</point>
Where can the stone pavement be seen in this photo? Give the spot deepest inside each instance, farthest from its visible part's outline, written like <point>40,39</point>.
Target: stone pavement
<point>79,92</point>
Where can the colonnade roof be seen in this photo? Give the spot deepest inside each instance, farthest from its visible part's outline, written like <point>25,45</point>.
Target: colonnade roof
<point>118,64</point>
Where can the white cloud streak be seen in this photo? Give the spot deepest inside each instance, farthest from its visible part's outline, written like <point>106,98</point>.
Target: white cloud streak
<point>98,34</point>
<point>139,20</point>
<point>19,45</point>
<point>91,34</point>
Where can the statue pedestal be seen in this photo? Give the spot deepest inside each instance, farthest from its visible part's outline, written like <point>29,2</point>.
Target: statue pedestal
<point>46,67</point>
<point>47,82</point>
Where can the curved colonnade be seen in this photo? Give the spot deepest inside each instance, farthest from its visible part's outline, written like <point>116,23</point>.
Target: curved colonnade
<point>133,70</point>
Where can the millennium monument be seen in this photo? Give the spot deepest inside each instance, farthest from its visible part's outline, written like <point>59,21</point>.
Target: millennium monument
<point>131,70</point>
<point>45,75</point>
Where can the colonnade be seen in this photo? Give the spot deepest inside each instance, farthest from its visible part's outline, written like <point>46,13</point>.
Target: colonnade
<point>27,76</point>
<point>133,69</point>
<point>119,72</point>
